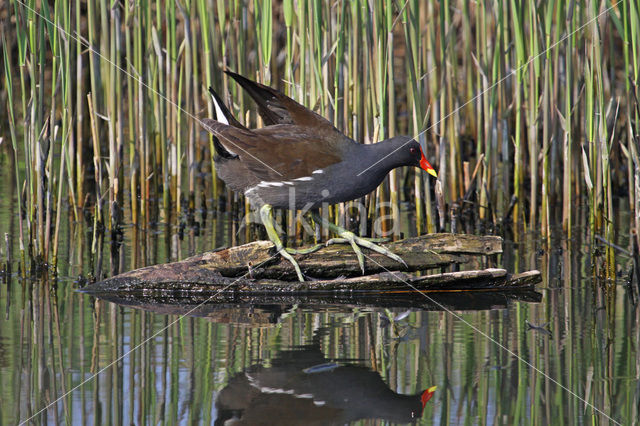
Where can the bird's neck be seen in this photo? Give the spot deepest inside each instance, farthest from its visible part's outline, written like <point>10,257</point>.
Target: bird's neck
<point>384,156</point>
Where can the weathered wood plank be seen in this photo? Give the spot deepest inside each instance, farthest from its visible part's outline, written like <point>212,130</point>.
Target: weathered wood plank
<point>420,253</point>
<point>451,243</point>
<point>389,282</point>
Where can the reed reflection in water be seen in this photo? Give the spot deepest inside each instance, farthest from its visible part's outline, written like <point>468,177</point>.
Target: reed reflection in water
<point>52,338</point>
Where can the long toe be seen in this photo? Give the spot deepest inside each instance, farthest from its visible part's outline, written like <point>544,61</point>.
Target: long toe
<point>363,242</point>
<point>305,251</point>
<point>350,238</point>
<point>337,241</point>
<point>359,254</point>
<point>353,239</point>
<point>283,252</point>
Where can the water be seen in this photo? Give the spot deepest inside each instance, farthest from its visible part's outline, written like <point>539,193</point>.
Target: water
<point>284,360</point>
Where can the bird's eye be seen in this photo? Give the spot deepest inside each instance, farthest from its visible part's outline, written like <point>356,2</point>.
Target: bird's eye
<point>413,150</point>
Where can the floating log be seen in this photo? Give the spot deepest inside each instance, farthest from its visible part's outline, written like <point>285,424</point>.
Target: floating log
<point>394,281</point>
<point>253,268</point>
<point>259,260</point>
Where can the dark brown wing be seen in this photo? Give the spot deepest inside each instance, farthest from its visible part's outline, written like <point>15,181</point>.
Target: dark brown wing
<point>276,108</point>
<point>280,152</point>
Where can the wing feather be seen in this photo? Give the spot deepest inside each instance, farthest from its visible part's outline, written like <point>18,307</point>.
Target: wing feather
<point>288,152</point>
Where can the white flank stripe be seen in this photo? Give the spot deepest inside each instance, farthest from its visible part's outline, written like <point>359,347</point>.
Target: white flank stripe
<point>264,184</point>
<point>304,396</point>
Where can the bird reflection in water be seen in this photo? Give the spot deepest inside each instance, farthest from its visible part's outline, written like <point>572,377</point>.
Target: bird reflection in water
<point>303,387</point>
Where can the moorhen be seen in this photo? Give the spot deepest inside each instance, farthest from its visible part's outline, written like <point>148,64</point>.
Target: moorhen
<point>299,160</point>
<point>300,386</point>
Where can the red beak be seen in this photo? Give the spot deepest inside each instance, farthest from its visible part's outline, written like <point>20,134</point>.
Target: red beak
<point>426,395</point>
<point>424,165</point>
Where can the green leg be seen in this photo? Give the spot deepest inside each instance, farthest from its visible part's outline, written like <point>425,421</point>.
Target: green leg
<point>305,251</point>
<point>267,221</point>
<point>355,241</point>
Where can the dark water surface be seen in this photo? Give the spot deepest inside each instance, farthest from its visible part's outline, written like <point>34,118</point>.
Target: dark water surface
<point>312,361</point>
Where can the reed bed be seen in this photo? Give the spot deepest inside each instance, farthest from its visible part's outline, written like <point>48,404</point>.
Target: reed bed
<point>526,109</point>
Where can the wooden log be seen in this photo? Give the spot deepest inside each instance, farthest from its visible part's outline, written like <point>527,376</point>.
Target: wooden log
<point>257,258</point>
<point>383,282</point>
<point>451,243</point>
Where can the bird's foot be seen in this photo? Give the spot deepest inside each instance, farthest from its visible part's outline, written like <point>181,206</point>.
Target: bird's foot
<point>284,252</point>
<point>357,242</point>
<point>305,251</point>
<point>267,220</point>
<point>287,252</point>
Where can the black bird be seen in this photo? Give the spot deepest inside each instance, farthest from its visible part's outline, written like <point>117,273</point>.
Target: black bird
<point>299,160</point>
<point>302,387</point>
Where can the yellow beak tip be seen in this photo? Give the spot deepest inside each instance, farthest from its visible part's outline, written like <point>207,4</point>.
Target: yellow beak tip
<point>432,173</point>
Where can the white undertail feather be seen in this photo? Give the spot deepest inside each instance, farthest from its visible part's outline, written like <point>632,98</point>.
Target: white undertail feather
<point>219,115</point>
